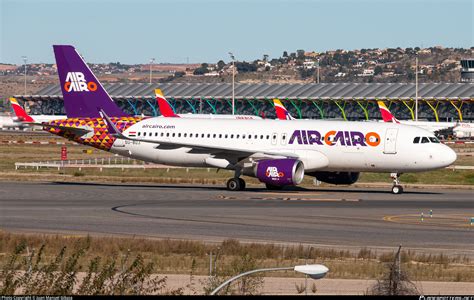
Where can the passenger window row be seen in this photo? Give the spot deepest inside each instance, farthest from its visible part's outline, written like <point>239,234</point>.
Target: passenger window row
<point>202,135</point>
<point>425,139</point>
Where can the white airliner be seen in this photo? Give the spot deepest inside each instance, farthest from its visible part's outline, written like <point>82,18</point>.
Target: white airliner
<point>22,118</point>
<point>464,130</point>
<point>277,153</point>
<point>167,111</point>
<point>434,127</point>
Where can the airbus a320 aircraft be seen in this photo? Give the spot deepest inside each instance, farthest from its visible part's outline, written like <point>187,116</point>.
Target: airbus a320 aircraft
<point>387,116</point>
<point>22,116</point>
<point>276,153</point>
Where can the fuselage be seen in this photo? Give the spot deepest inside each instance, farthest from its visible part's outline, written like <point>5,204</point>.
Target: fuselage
<point>464,130</point>
<point>216,116</point>
<point>348,146</point>
<point>427,125</point>
<point>430,126</point>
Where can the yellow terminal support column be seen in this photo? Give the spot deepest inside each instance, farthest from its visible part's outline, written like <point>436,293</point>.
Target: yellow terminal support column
<point>410,108</point>
<point>342,108</point>
<point>364,108</point>
<point>458,109</point>
<point>434,108</point>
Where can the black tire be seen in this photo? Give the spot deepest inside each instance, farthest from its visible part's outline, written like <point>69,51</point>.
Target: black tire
<point>397,189</point>
<point>242,184</point>
<point>234,184</point>
<point>273,187</point>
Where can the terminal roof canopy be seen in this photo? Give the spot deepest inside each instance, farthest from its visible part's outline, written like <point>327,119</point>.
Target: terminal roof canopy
<point>321,91</point>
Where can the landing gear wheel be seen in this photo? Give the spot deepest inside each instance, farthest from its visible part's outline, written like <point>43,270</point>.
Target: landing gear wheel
<point>273,187</point>
<point>234,184</point>
<point>397,189</point>
<point>242,184</point>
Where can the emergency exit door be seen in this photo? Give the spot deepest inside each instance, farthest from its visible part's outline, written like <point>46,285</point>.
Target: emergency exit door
<point>390,146</point>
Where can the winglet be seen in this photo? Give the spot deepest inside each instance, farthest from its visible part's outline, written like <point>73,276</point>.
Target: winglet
<point>110,125</point>
<point>165,107</point>
<point>281,112</point>
<point>20,113</point>
<point>386,114</point>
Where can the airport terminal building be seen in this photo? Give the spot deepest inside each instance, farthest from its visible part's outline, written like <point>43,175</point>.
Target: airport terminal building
<point>349,101</point>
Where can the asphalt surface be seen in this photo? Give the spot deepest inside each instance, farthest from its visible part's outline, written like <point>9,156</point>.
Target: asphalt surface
<point>341,216</point>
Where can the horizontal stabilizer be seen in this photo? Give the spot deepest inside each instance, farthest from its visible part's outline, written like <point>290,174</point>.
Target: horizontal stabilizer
<point>75,130</point>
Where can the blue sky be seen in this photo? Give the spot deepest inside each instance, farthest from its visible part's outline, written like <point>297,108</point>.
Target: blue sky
<point>133,31</point>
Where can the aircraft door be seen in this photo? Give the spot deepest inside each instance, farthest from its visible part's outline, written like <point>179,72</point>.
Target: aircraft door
<point>390,146</point>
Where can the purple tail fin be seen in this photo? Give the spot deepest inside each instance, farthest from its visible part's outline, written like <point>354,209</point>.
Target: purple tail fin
<point>83,94</point>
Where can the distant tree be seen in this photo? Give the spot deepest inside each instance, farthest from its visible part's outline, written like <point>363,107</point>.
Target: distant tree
<point>300,54</point>
<point>306,73</point>
<point>220,65</point>
<point>293,55</point>
<point>378,70</point>
<point>274,61</point>
<point>363,51</point>
<point>285,54</point>
<point>265,57</point>
<point>179,74</point>
<point>245,67</point>
<point>417,49</point>
<point>202,69</point>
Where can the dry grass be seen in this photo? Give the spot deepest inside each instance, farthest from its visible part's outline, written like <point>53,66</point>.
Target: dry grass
<point>179,257</point>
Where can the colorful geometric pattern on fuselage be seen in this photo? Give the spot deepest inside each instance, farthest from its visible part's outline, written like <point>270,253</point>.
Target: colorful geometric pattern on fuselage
<point>101,138</point>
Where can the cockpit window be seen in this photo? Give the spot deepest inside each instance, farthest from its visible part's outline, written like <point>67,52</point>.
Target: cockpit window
<point>424,140</point>
<point>434,140</point>
<point>416,140</point>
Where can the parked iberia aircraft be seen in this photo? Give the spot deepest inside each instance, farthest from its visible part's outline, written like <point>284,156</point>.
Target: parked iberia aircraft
<point>22,116</point>
<point>167,111</point>
<point>430,126</point>
<point>276,153</point>
<point>460,129</point>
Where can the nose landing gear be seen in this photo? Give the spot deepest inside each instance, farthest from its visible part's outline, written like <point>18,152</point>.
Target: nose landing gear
<point>396,188</point>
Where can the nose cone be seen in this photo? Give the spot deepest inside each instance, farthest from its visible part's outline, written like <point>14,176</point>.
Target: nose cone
<point>448,156</point>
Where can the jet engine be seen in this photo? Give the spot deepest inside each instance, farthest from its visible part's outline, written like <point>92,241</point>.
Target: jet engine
<point>336,177</point>
<point>279,172</point>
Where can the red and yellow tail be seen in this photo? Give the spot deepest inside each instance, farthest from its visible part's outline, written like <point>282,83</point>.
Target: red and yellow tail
<point>165,107</point>
<point>20,113</point>
<point>281,112</point>
<point>386,114</point>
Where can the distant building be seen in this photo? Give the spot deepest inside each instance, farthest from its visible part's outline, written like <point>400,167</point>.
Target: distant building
<point>308,64</point>
<point>467,70</point>
<point>367,72</point>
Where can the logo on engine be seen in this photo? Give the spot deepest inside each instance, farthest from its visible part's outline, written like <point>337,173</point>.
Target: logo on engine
<point>76,82</point>
<point>273,173</point>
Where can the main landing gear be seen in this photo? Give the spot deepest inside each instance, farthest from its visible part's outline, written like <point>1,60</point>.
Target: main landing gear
<point>236,184</point>
<point>396,188</point>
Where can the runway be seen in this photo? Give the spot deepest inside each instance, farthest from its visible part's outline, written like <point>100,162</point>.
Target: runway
<point>340,217</point>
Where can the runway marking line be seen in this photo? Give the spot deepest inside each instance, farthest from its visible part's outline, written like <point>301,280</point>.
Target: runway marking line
<point>436,220</point>
<point>289,199</point>
<point>290,194</point>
